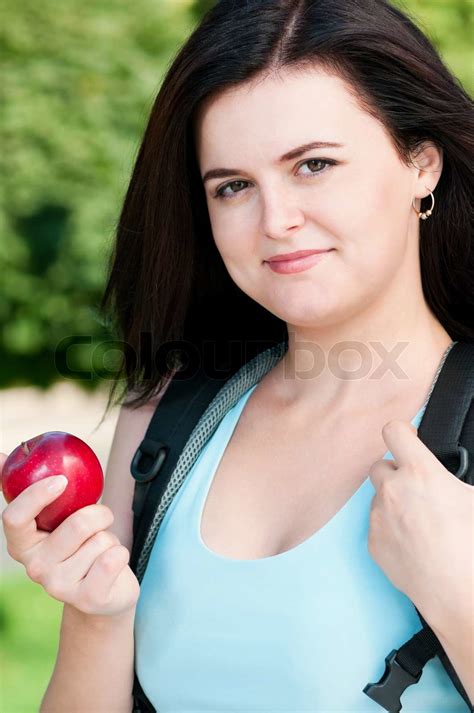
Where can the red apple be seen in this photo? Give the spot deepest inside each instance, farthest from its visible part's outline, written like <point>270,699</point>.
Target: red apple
<point>55,453</point>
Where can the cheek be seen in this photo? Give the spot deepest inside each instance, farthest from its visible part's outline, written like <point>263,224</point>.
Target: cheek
<point>240,255</point>
<point>372,221</point>
<point>226,230</point>
<point>236,249</point>
<point>234,234</point>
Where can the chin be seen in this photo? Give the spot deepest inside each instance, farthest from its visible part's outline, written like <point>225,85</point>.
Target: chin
<point>306,314</point>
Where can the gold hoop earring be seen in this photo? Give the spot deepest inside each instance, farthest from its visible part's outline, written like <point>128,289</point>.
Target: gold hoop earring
<point>427,213</point>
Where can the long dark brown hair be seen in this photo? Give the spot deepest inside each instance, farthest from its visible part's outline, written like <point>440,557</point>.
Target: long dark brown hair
<point>168,288</point>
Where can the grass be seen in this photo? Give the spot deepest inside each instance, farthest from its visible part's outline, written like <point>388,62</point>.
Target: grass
<point>29,638</point>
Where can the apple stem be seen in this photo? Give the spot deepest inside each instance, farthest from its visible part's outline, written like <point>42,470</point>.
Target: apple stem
<point>25,448</point>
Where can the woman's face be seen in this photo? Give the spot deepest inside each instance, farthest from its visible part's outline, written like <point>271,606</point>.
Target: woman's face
<point>354,199</point>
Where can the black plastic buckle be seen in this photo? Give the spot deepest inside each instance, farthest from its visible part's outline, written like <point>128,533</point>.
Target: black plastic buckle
<point>463,462</point>
<point>156,450</point>
<point>388,691</point>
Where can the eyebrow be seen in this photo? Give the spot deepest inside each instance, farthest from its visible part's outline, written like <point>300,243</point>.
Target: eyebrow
<point>294,153</point>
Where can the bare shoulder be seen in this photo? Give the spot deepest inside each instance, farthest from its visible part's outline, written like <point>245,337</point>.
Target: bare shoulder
<point>130,430</point>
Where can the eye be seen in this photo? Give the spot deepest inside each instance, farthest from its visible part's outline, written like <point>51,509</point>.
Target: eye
<point>220,191</point>
<point>320,161</point>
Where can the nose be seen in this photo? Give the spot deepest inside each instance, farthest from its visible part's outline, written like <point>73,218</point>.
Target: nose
<point>281,214</point>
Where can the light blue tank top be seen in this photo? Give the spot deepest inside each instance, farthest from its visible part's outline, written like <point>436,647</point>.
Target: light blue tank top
<point>303,630</point>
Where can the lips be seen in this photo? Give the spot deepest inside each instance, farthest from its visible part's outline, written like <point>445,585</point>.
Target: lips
<point>298,264</point>
<point>294,256</point>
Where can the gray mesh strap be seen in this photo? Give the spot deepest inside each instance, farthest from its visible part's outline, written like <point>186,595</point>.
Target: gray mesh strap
<point>246,377</point>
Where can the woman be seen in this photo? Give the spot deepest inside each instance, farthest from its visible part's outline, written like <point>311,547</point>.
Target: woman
<point>282,570</point>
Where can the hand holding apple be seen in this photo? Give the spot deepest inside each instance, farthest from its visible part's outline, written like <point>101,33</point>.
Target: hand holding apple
<point>80,562</point>
<point>54,453</point>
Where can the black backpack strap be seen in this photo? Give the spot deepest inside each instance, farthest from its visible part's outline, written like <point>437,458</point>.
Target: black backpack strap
<point>447,429</point>
<point>173,421</point>
<point>178,411</point>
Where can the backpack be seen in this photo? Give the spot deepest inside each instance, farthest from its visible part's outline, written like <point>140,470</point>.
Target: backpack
<point>191,409</point>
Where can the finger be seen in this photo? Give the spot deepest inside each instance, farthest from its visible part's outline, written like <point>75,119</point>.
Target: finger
<point>79,564</point>
<point>18,518</point>
<point>77,529</point>
<point>381,470</point>
<point>405,446</point>
<point>105,570</point>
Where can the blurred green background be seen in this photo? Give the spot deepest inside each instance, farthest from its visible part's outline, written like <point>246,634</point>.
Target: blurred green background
<point>79,79</point>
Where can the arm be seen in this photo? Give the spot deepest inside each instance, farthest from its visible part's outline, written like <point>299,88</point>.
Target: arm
<point>452,619</point>
<point>461,656</point>
<point>457,640</point>
<point>95,662</point>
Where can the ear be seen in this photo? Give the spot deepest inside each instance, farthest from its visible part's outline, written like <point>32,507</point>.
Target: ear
<point>428,164</point>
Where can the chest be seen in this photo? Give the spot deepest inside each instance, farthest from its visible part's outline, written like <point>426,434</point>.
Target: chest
<point>274,487</point>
